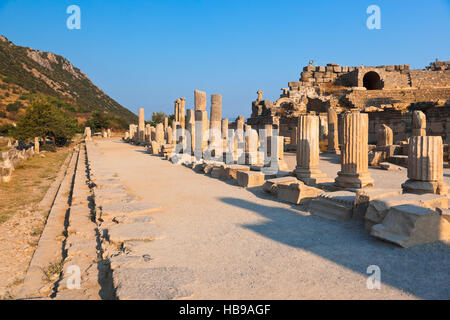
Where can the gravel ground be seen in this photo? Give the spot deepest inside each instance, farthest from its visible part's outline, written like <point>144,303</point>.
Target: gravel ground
<point>231,243</point>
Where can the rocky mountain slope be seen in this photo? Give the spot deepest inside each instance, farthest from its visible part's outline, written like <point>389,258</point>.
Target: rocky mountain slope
<point>25,72</point>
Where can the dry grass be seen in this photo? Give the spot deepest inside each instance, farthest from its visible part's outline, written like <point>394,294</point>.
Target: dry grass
<point>29,183</point>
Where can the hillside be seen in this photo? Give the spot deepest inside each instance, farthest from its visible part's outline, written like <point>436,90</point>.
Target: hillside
<point>25,72</point>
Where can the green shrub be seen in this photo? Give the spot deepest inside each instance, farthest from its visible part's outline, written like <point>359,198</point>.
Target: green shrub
<point>45,120</point>
<point>6,129</point>
<point>14,107</point>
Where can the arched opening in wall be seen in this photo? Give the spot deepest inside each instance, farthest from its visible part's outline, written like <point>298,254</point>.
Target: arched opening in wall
<point>372,81</point>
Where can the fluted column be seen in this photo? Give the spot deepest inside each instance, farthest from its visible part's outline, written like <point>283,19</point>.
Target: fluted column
<point>385,136</point>
<point>354,154</point>
<point>307,168</point>
<point>425,166</point>
<point>333,141</point>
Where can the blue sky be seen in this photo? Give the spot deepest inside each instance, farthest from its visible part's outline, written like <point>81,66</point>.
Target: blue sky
<point>148,53</point>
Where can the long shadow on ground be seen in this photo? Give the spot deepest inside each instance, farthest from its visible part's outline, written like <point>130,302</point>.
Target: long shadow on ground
<point>423,271</point>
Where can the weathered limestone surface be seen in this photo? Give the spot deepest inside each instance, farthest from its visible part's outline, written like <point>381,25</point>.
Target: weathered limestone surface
<point>354,157</point>
<point>216,111</point>
<point>378,208</point>
<point>297,193</point>
<point>249,179</point>
<point>233,169</point>
<point>365,196</point>
<point>419,123</point>
<point>333,141</point>
<point>160,133</point>
<point>200,100</point>
<point>409,225</point>
<point>271,185</point>
<point>336,205</point>
<point>87,134</point>
<point>141,127</point>
<point>182,113</point>
<point>190,122</point>
<point>201,129</point>
<point>36,144</point>
<point>307,168</point>
<point>385,136</point>
<point>425,166</point>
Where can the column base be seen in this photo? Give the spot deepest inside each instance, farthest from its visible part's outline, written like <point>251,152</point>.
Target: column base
<point>353,180</point>
<point>423,187</point>
<point>312,177</point>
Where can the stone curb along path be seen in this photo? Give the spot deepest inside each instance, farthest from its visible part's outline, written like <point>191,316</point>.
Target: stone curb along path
<point>48,252</point>
<point>81,253</point>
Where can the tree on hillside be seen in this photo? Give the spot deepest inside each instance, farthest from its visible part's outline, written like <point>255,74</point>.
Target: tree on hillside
<point>45,120</point>
<point>158,117</point>
<point>98,121</point>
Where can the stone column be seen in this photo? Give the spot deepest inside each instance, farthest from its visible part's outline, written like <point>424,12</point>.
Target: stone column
<point>224,127</point>
<point>87,134</point>
<point>354,157</point>
<point>190,120</point>
<point>239,137</point>
<point>200,100</point>
<point>216,111</point>
<point>419,122</point>
<point>166,123</point>
<point>169,135</point>
<point>201,129</point>
<point>333,141</point>
<point>141,127</point>
<point>176,110</point>
<point>307,168</point>
<point>36,144</point>
<point>323,127</point>
<point>425,166</point>
<point>260,95</point>
<point>294,136</point>
<point>159,136</point>
<point>148,133</point>
<point>152,133</point>
<point>182,113</point>
<point>385,137</point>
<point>251,146</point>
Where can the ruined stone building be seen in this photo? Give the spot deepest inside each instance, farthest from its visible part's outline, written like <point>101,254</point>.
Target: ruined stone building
<point>388,94</point>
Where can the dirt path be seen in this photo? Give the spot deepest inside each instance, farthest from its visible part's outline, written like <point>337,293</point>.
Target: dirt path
<point>219,241</point>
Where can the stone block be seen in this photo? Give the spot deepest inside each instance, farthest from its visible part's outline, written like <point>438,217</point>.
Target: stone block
<point>409,225</point>
<point>378,208</point>
<point>336,205</point>
<point>365,196</point>
<point>271,185</point>
<point>231,170</point>
<point>249,179</point>
<point>297,193</point>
